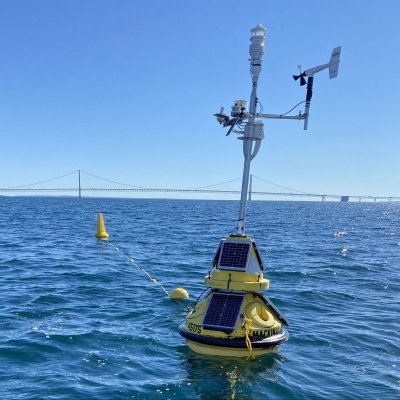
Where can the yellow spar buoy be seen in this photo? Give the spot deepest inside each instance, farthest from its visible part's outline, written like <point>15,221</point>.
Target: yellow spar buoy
<point>101,228</point>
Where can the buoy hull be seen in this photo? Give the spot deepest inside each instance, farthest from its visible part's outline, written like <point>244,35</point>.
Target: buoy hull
<point>227,351</point>
<point>228,323</point>
<point>233,318</point>
<point>232,348</point>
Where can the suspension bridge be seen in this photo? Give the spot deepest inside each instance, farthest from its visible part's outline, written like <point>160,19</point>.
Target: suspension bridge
<point>79,189</point>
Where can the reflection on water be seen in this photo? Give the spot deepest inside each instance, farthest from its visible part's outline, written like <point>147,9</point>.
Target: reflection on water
<point>229,378</point>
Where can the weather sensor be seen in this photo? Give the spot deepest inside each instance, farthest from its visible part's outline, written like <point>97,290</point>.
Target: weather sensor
<point>247,124</point>
<point>333,66</point>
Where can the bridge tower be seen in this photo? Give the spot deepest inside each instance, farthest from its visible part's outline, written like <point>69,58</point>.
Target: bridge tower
<point>79,184</point>
<point>250,187</point>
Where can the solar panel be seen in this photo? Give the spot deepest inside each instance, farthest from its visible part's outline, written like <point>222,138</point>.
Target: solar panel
<point>234,255</point>
<point>223,311</point>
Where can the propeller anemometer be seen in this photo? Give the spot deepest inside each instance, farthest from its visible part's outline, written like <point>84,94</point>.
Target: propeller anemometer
<point>300,76</point>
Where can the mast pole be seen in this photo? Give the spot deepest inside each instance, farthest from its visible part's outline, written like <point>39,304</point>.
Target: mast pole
<point>253,131</point>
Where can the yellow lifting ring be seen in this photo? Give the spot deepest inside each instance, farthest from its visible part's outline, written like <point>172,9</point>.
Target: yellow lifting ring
<point>259,314</point>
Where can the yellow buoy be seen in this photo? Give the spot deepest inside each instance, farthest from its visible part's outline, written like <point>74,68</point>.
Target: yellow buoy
<point>179,294</point>
<point>101,228</point>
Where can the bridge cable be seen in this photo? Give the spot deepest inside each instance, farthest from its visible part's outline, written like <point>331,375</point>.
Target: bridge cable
<point>48,180</point>
<point>283,187</point>
<point>217,184</point>
<point>109,180</point>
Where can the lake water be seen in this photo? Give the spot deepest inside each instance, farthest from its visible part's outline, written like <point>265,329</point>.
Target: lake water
<point>80,319</point>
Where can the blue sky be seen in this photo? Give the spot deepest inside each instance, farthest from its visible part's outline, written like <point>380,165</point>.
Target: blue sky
<point>126,90</point>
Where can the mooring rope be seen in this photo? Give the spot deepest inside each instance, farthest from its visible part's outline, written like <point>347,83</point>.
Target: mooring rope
<point>248,341</point>
<point>133,262</point>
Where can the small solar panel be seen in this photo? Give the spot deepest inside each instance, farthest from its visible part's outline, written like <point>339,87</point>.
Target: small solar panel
<point>234,255</point>
<point>223,311</point>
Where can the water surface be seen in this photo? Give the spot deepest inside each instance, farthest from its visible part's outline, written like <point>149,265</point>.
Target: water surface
<point>80,320</point>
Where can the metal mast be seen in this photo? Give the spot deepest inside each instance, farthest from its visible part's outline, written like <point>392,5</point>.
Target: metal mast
<point>253,130</point>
